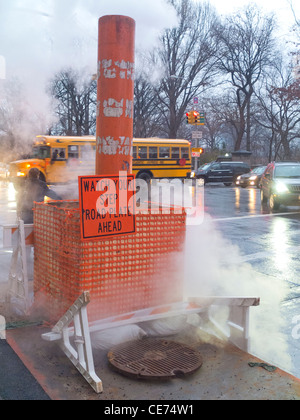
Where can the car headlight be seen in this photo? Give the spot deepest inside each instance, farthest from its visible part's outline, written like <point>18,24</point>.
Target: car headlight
<point>238,178</point>
<point>192,174</point>
<point>253,177</point>
<point>280,187</point>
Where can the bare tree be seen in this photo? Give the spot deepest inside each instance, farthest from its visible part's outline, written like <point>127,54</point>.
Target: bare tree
<point>146,116</point>
<point>280,112</point>
<point>214,119</point>
<point>245,46</point>
<point>75,103</point>
<point>296,18</point>
<point>185,56</point>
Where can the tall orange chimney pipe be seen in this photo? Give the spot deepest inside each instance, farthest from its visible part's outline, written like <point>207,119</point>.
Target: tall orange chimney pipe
<point>115,92</point>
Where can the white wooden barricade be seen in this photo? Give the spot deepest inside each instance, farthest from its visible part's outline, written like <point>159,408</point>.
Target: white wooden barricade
<point>20,238</point>
<point>82,356</point>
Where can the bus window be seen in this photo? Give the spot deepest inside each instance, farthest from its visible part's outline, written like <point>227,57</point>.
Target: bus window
<point>73,152</point>
<point>41,152</point>
<point>152,152</point>
<point>134,155</point>
<point>185,153</point>
<point>59,153</point>
<point>164,152</point>
<point>175,153</point>
<point>142,152</point>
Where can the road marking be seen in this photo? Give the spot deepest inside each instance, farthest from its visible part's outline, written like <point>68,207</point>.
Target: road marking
<point>254,216</point>
<point>262,254</point>
<point>258,255</point>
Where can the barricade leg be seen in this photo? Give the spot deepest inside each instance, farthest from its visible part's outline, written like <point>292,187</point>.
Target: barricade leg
<point>238,319</point>
<point>82,355</point>
<point>18,274</point>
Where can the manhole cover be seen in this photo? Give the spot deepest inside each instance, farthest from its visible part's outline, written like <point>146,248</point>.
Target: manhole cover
<point>154,359</point>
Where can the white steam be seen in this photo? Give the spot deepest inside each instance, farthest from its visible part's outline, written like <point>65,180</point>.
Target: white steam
<point>215,267</point>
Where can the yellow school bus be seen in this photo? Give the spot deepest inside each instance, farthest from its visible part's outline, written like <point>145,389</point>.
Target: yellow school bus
<point>62,159</point>
<point>161,158</point>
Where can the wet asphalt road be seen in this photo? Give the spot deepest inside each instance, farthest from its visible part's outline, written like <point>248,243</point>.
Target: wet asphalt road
<point>256,252</point>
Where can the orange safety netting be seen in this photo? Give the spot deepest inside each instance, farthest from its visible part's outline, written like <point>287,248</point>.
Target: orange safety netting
<point>122,274</point>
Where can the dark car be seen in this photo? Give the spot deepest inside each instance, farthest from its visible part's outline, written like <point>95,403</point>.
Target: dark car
<point>280,184</point>
<point>252,178</point>
<point>226,172</point>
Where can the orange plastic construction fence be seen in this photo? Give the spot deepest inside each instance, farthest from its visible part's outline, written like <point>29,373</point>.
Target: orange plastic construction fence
<point>122,274</point>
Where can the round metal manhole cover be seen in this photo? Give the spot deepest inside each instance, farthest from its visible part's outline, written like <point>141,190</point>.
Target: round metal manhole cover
<point>153,358</point>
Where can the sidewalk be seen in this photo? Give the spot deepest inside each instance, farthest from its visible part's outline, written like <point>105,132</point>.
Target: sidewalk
<point>224,375</point>
<point>16,382</point>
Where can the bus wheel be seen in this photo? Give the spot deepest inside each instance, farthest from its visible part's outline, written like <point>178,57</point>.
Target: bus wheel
<point>146,176</point>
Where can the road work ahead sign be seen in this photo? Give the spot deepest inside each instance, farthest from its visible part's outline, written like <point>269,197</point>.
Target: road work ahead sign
<point>107,205</point>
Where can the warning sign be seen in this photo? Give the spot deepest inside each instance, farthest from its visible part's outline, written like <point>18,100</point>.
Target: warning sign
<point>107,205</point>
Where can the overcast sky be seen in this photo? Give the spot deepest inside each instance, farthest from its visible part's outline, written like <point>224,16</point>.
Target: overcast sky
<point>280,7</point>
<point>54,32</point>
<point>39,37</point>
<point>269,5</point>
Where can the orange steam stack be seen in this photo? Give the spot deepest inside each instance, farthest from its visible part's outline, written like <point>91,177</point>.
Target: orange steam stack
<point>115,95</point>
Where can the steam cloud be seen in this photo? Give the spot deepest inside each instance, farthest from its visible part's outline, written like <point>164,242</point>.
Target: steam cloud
<point>215,267</point>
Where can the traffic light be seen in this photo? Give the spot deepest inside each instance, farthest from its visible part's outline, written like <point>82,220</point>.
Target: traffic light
<point>195,116</point>
<point>197,151</point>
<point>190,117</point>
